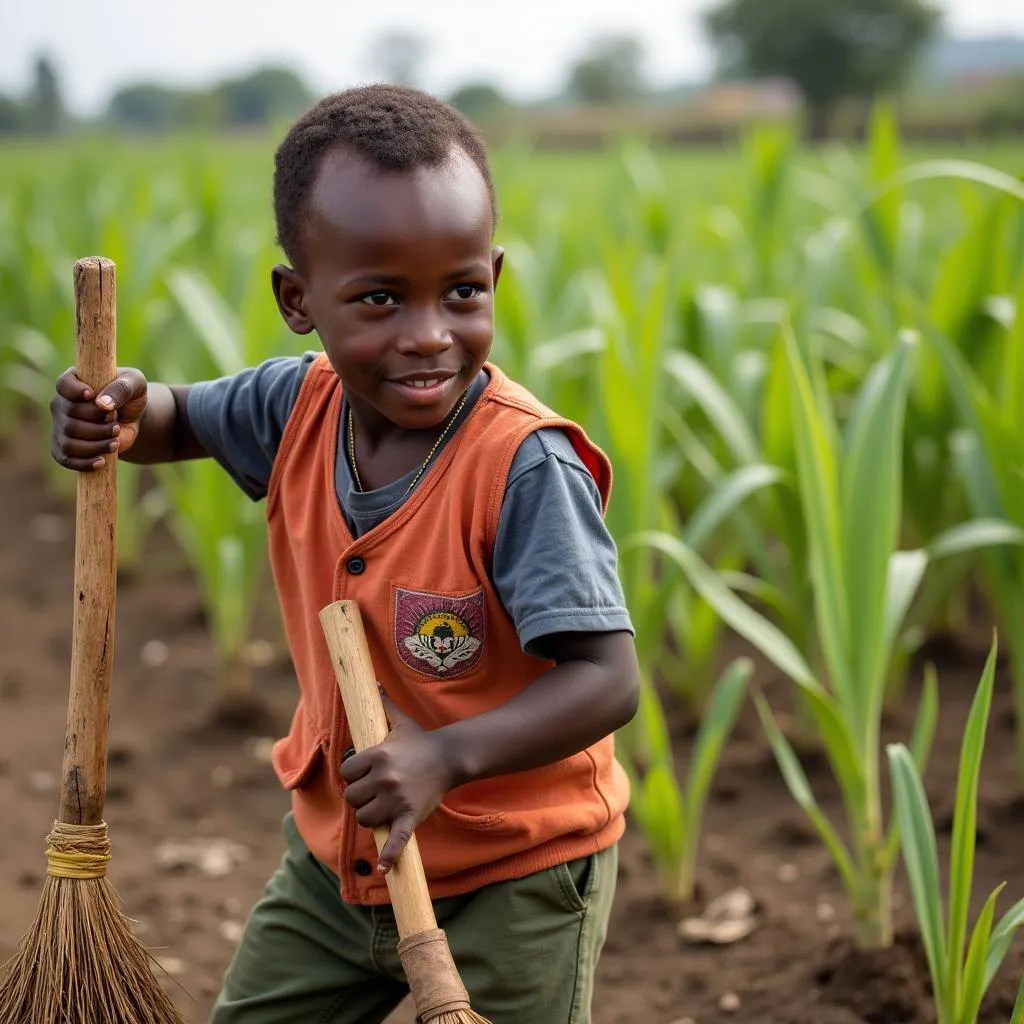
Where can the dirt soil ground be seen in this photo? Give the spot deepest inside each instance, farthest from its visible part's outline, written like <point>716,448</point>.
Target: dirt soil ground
<point>176,779</point>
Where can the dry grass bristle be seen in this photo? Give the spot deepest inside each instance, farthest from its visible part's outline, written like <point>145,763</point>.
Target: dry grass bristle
<point>80,962</point>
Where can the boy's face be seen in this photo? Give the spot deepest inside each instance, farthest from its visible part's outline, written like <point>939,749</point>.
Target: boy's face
<point>398,280</point>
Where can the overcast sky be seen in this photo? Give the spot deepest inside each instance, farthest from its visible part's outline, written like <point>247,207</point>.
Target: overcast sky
<point>523,45</point>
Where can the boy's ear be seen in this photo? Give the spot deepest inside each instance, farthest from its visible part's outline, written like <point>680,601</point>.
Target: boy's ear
<point>290,293</point>
<point>497,261</point>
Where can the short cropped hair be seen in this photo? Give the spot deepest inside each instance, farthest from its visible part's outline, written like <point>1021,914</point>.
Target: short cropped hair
<point>393,127</point>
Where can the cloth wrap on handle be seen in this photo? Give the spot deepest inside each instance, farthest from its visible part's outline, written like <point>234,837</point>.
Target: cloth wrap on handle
<point>433,978</point>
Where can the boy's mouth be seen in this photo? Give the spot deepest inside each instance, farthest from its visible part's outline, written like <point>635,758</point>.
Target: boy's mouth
<point>424,387</point>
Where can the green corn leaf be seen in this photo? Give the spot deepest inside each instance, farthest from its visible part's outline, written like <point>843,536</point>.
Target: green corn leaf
<point>653,611</point>
<point>800,789</point>
<point>965,816</point>
<point>973,991</point>
<point>223,534</point>
<point>966,277</point>
<point>927,718</point>
<point>563,353</point>
<point>973,406</point>
<point>214,322</point>
<point>870,517</point>
<point>921,858</point>
<point>1012,374</point>
<point>844,327</point>
<point>819,494</point>
<point>1002,937</point>
<point>914,269</point>
<point>692,447</point>
<point>232,595</point>
<point>28,382</point>
<point>762,593</point>
<point>736,612</point>
<point>777,422</point>
<point>35,348</point>
<point>659,810</point>
<point>976,464</point>
<point>906,569</point>
<point>920,749</point>
<point>716,726</point>
<point>1017,1017</point>
<point>715,322</point>
<point>882,221</point>
<point>960,170</point>
<point>730,493</point>
<point>845,759</point>
<point>836,735</point>
<point>974,535</point>
<point>699,384</point>
<point>652,728</point>
<point>726,497</point>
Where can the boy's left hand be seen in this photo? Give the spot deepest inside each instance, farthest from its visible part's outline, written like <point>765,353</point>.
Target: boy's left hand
<point>398,782</point>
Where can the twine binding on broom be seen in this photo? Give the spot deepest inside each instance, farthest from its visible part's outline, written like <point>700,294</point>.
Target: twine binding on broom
<point>77,851</point>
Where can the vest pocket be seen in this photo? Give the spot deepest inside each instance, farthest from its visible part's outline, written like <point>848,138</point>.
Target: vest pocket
<point>297,756</point>
<point>477,822</point>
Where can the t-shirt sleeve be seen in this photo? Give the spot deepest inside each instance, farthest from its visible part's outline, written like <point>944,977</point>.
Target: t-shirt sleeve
<point>555,564</point>
<point>239,419</point>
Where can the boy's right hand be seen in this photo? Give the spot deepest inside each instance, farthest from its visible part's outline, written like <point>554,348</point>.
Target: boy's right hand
<point>88,425</point>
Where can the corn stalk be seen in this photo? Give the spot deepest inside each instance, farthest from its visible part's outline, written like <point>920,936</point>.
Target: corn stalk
<point>849,485</point>
<point>961,971</point>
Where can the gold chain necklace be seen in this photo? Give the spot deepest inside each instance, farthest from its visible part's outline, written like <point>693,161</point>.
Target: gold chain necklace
<point>430,454</point>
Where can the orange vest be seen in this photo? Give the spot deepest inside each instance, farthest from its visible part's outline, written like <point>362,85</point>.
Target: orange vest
<point>443,646</point>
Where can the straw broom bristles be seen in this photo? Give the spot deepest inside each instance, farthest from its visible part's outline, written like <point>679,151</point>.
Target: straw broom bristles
<point>80,962</point>
<point>466,1016</point>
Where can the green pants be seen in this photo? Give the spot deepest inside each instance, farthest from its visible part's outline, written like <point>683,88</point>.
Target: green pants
<point>526,949</point>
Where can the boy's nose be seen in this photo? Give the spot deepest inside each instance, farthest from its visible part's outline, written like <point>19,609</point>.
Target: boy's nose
<point>425,335</point>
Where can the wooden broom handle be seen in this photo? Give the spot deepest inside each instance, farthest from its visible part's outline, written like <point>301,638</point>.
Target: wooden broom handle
<point>346,639</point>
<point>84,771</point>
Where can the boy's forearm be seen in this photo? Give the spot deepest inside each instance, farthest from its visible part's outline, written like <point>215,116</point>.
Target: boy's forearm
<point>165,434</point>
<point>566,710</point>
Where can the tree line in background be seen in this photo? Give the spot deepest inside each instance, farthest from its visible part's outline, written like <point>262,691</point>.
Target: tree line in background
<point>832,54</point>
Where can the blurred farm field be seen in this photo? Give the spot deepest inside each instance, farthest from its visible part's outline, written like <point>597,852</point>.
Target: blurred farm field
<point>812,387</point>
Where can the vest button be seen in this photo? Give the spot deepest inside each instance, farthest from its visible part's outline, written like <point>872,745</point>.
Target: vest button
<point>363,867</point>
<point>356,565</point>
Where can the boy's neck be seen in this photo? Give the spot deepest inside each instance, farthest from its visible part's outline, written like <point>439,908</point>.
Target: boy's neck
<point>383,452</point>
<point>375,431</point>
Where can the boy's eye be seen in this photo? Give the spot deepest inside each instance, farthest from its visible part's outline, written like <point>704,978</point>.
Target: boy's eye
<point>465,291</point>
<point>378,299</point>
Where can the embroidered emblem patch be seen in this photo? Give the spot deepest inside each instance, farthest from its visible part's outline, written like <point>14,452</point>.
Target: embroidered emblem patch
<point>439,635</point>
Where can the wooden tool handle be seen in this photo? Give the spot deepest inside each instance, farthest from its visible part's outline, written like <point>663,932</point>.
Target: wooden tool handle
<point>84,771</point>
<point>346,639</point>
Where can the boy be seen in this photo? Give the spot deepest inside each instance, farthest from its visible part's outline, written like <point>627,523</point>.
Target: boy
<point>403,470</point>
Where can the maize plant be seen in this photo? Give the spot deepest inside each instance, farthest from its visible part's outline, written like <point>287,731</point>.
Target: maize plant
<point>848,482</point>
<point>669,813</point>
<point>960,976</point>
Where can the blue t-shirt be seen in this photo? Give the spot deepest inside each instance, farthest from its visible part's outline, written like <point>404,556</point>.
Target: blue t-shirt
<point>555,563</point>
